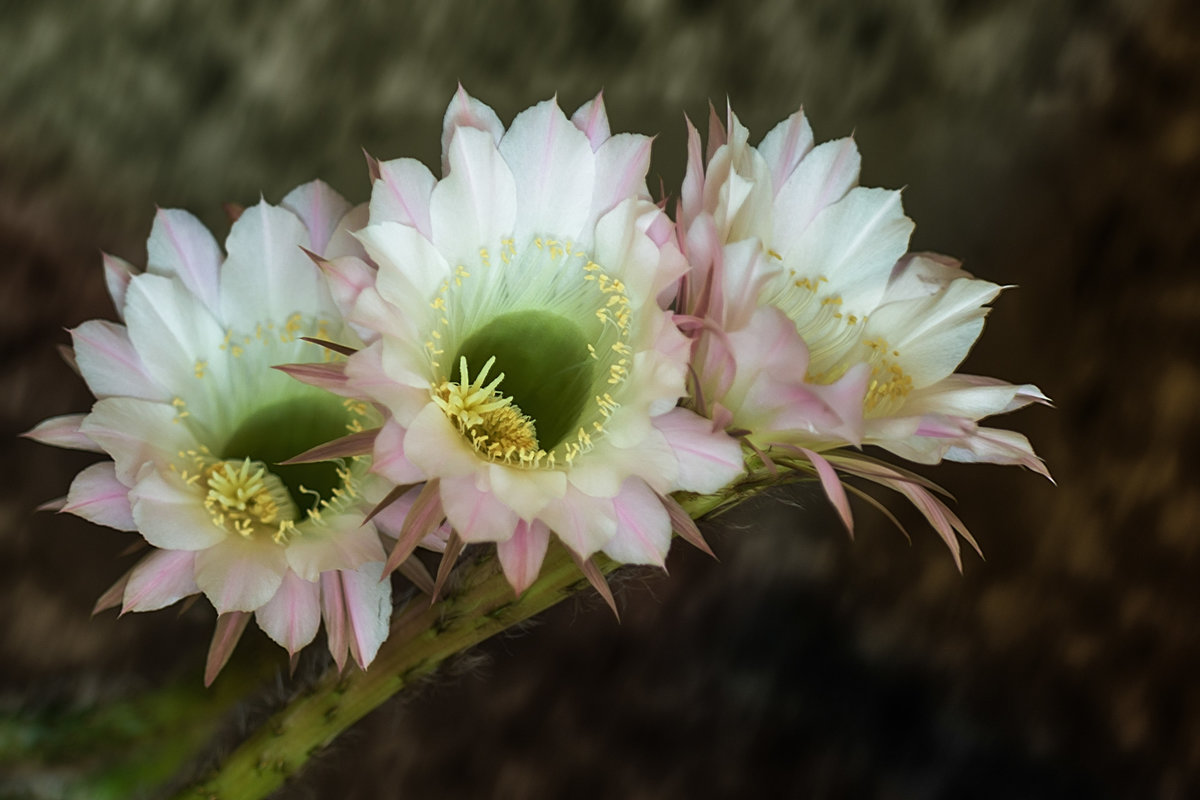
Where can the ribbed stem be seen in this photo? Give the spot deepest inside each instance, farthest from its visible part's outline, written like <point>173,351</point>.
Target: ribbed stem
<point>479,605</point>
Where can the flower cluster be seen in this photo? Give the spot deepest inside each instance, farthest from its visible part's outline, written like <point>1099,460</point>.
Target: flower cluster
<point>525,348</point>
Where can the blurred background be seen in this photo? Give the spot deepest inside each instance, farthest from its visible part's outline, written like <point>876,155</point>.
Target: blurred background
<point>1055,146</point>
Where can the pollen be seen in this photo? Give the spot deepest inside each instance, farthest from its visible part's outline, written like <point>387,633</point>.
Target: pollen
<point>490,421</point>
<point>244,498</point>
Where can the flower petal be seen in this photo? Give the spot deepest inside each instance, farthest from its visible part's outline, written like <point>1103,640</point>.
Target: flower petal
<point>477,515</point>
<point>160,579</point>
<point>292,616</point>
<point>475,205</point>
<point>109,363</point>
<point>320,209</point>
<point>63,431</point>
<point>180,246</point>
<point>368,604</point>
<point>643,534</point>
<point>240,574</point>
<point>521,556</point>
<point>402,193</point>
<point>708,459</point>
<point>170,514</point>
<point>97,496</point>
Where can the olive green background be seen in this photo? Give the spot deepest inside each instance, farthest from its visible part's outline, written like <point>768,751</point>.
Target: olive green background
<point>1053,145</point>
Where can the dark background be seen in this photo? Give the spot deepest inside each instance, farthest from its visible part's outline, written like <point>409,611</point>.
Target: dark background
<point>1054,145</point>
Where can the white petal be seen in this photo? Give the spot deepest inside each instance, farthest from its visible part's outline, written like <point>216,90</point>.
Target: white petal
<point>293,615</point>
<point>526,491</point>
<point>135,432</point>
<point>109,363</point>
<point>160,579</point>
<point>180,246</point>
<point>643,534</point>
<point>402,194</point>
<point>475,205</point>
<point>854,244</point>
<point>98,496</point>
<point>171,514</point>
<point>554,169</point>
<point>240,574</point>
<point>63,431</point>
<point>320,208</point>
<point>466,111</point>
<point>476,514</point>
<point>785,146</point>
<point>410,268</point>
<point>341,542</point>
<point>434,445</point>
<point>708,459</point>
<point>267,277</point>
<point>819,181</point>
<point>368,604</point>
<point>584,524</point>
<point>117,274</point>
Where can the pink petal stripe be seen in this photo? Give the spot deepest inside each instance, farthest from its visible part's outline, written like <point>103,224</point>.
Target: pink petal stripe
<point>330,377</point>
<point>292,616</point>
<point>160,579</point>
<point>333,610</point>
<point>355,444</point>
<point>426,514</point>
<point>109,362</point>
<point>98,496</point>
<point>596,578</point>
<point>180,245</point>
<point>112,595</point>
<point>229,630</point>
<point>368,609</point>
<point>454,548</point>
<point>57,504</point>
<point>63,432</point>
<point>592,119</point>
<point>521,556</point>
<point>833,488</point>
<point>685,526</point>
<point>117,274</point>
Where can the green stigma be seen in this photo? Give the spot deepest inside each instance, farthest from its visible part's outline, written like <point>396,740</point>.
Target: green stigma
<point>546,364</point>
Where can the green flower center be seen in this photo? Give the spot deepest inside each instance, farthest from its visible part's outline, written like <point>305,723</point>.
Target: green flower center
<point>285,429</point>
<point>547,368</point>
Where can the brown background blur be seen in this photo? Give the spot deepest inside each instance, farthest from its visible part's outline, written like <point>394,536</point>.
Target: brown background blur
<point>1054,145</point>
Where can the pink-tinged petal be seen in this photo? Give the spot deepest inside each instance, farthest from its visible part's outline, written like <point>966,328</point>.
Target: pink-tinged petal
<point>465,111</point>
<point>592,119</point>
<point>354,444</point>
<point>117,274</point>
<point>135,432</point>
<point>267,275</point>
<point>320,208</point>
<point>368,377</point>
<point>820,180</point>
<point>344,243</point>
<point>606,466</point>
<point>109,363</point>
<point>922,274</point>
<point>584,524</point>
<point>596,578</point>
<point>328,376</point>
<point>741,272</point>
<point>526,491</point>
<point>368,599</point>
<point>160,579</point>
<point>63,432</point>
<point>347,277</point>
<point>708,459</point>
<point>643,534</point>
<point>546,152</point>
<point>997,446</point>
<point>833,488</point>
<point>240,574</point>
<point>521,556</point>
<point>97,496</point>
<point>941,518</point>
<point>180,246</point>
<point>425,515</point>
<point>717,136</point>
<point>170,514</point>
<point>229,630</point>
<point>621,166</point>
<point>292,616</point>
<point>683,524</point>
<point>454,548</point>
<point>343,542</point>
<point>112,595</point>
<point>390,460</point>
<point>415,571</point>
<point>476,514</point>
<point>402,193</point>
<point>475,205</point>
<point>433,445</point>
<point>691,193</point>
<point>785,146</point>
<point>972,397</point>
<point>333,611</point>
